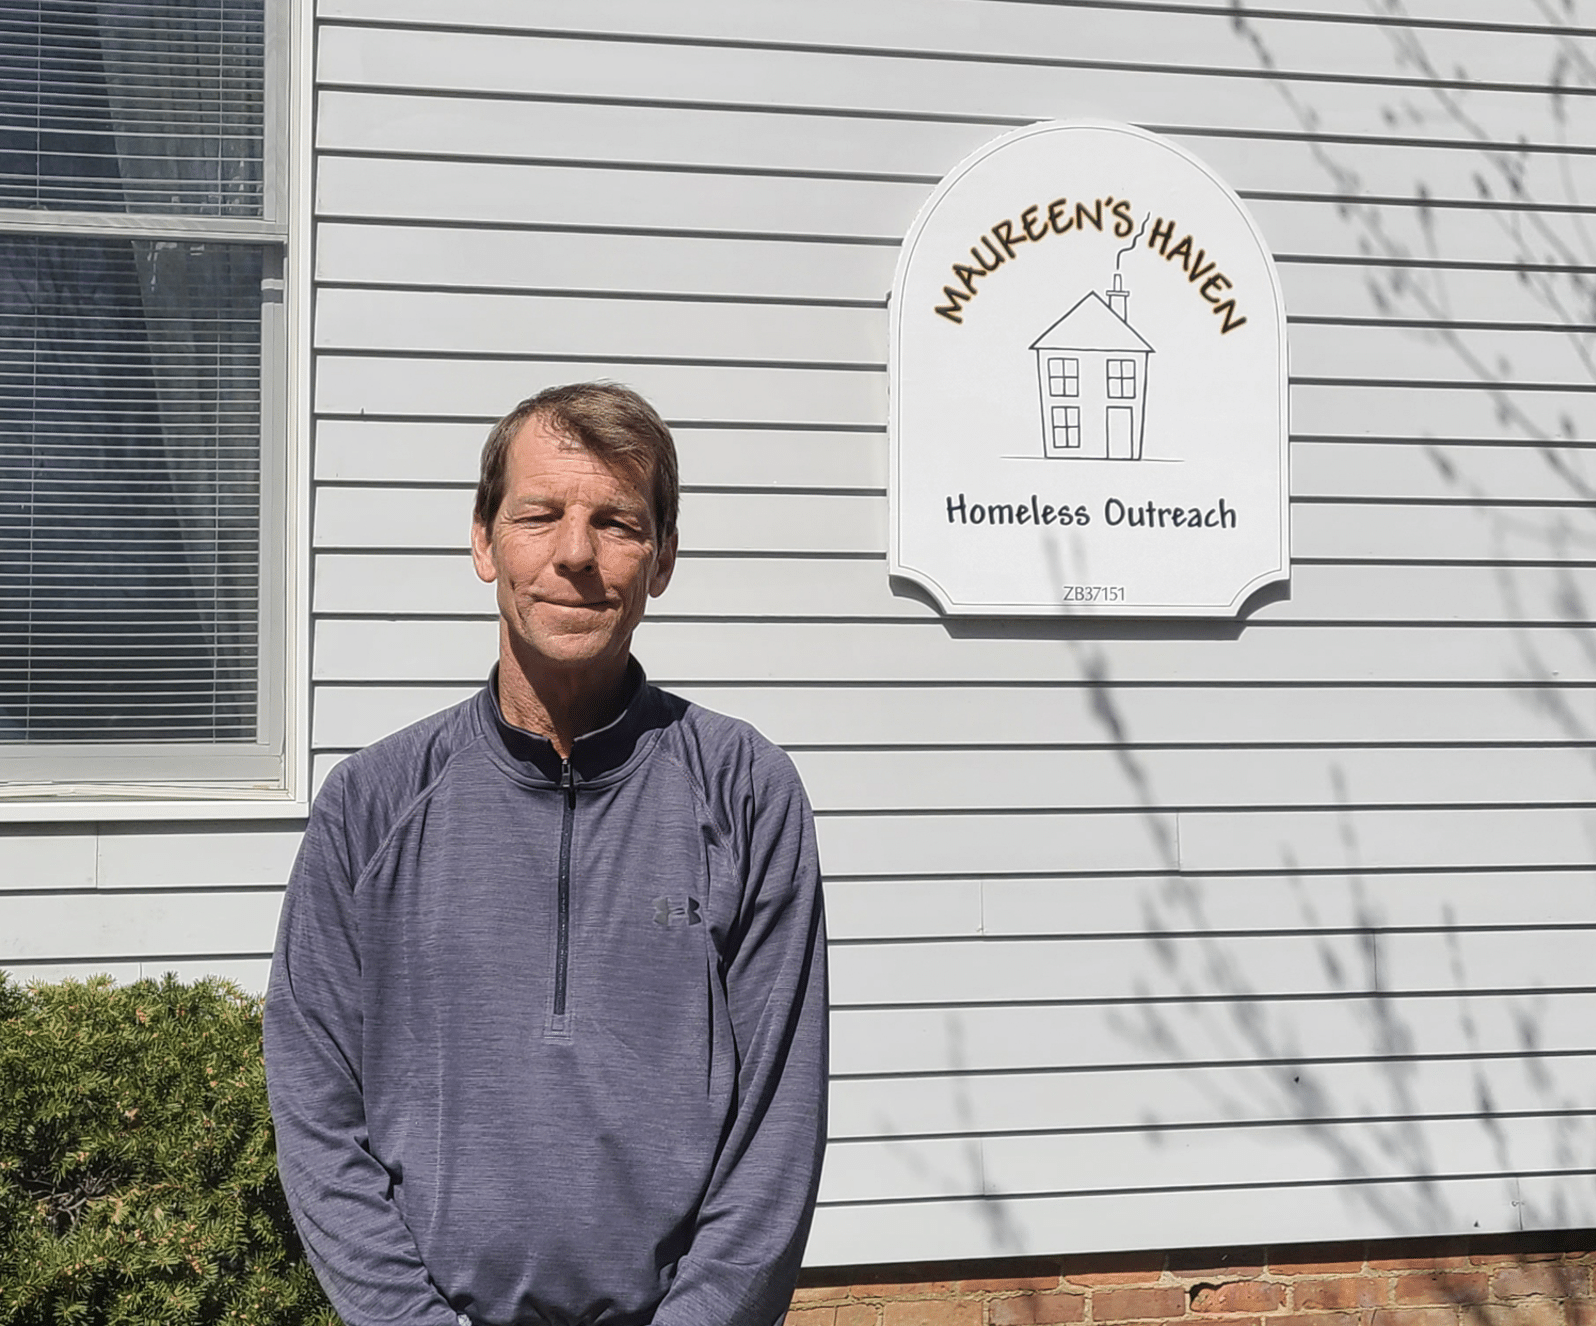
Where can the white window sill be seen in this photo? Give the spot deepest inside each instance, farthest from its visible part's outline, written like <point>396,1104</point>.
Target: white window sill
<point>97,805</point>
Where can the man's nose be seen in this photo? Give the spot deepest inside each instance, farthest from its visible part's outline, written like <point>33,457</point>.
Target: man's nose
<point>574,549</point>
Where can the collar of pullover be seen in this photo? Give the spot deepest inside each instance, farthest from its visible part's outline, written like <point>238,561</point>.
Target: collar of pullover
<point>595,756</point>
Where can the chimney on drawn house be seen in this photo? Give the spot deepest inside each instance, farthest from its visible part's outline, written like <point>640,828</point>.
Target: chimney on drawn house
<point>1118,299</point>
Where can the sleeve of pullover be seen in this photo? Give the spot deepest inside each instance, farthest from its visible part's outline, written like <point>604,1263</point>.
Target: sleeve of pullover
<point>751,1230</point>
<point>357,1242</point>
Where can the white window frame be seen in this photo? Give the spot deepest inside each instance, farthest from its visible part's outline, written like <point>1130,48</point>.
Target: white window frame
<point>285,491</point>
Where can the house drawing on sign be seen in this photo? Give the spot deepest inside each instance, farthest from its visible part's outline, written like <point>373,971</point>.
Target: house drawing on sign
<point>1091,371</point>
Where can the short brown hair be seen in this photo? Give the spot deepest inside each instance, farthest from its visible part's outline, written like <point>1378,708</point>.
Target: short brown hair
<point>609,420</point>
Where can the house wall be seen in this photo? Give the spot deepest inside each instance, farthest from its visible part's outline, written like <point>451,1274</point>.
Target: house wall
<point>1144,934</point>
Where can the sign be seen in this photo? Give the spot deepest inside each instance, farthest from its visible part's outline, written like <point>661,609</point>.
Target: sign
<point>1088,378</point>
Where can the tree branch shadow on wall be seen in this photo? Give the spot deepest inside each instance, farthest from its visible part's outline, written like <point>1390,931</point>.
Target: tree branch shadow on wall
<point>1196,987</point>
<point>1299,1090</point>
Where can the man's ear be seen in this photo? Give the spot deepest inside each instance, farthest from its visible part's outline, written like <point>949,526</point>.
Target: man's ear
<point>664,564</point>
<point>482,553</point>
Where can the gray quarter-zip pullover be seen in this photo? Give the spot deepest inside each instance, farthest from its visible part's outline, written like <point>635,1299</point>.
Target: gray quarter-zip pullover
<point>545,1039</point>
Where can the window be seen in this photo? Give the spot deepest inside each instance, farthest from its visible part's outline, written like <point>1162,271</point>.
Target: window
<point>1121,379</point>
<point>143,492</point>
<point>1066,426</point>
<point>1063,377</point>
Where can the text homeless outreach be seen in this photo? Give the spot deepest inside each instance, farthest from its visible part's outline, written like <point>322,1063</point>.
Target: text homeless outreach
<point>1142,515</point>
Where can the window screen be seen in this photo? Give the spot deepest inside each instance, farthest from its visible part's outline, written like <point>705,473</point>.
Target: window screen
<point>141,249</point>
<point>130,490</point>
<point>133,106</point>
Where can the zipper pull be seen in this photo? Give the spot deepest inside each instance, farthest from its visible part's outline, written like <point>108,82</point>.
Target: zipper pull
<point>568,781</point>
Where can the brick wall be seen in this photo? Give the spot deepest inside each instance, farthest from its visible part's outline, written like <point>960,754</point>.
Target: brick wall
<point>1522,1280</point>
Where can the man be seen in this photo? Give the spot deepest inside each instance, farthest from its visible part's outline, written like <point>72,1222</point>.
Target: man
<point>546,1032</point>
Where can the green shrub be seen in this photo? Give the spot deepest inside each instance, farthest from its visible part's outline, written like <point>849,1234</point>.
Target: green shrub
<point>138,1182</point>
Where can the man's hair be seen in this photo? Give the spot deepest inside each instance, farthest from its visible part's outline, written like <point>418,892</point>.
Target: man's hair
<point>612,422</point>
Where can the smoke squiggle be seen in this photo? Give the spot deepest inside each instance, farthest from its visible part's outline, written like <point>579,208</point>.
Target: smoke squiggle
<point>1132,244</point>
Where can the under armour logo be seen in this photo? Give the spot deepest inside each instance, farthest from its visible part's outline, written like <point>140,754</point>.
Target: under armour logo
<point>677,911</point>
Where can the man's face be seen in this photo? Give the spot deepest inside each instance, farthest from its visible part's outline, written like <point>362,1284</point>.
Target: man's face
<point>574,553</point>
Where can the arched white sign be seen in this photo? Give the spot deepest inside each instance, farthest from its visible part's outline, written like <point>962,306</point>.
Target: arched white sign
<point>1088,377</point>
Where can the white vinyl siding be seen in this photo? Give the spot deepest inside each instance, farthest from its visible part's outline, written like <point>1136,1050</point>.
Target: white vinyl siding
<point>1144,936</point>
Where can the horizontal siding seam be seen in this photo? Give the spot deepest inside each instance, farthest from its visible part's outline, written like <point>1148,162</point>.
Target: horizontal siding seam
<point>708,41</point>
<point>1350,1181</point>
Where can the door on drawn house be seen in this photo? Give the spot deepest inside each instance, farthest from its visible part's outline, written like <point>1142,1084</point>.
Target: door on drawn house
<point>1121,433</point>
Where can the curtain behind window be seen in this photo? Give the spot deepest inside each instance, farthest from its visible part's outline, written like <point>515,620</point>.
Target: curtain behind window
<point>130,408</point>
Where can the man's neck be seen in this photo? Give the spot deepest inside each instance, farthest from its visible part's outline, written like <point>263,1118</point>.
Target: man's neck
<point>562,706</point>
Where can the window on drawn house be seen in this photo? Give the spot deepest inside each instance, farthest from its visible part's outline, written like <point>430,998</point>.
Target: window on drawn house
<point>143,229</point>
<point>1063,377</point>
<point>1121,379</point>
<point>1066,426</point>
